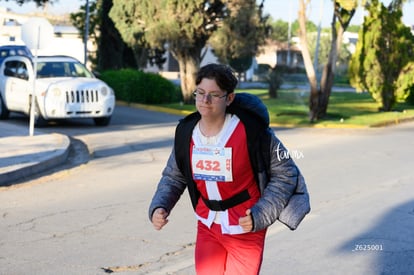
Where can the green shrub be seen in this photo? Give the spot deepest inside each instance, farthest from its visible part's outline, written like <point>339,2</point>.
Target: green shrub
<point>139,87</point>
<point>410,98</point>
<point>341,79</point>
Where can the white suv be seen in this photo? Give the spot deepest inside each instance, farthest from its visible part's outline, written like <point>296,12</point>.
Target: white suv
<point>64,89</point>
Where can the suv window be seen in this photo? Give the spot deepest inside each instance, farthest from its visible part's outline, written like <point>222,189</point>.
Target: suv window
<point>61,69</point>
<point>16,69</point>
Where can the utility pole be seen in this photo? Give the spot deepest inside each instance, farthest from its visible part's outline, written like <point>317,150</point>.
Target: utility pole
<point>85,42</point>
<point>289,35</point>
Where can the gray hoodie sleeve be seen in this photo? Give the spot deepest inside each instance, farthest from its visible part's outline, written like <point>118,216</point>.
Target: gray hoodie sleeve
<point>170,187</point>
<point>280,188</point>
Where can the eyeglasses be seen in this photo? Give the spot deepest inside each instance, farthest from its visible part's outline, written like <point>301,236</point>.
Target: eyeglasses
<point>213,97</point>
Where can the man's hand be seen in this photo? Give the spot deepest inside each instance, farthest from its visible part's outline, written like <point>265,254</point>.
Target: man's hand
<point>159,218</point>
<point>246,222</point>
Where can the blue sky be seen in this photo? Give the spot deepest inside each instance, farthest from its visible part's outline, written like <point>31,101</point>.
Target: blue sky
<point>61,6</point>
<point>278,9</point>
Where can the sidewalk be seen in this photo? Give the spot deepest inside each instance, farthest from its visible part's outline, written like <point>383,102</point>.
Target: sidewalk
<point>22,155</point>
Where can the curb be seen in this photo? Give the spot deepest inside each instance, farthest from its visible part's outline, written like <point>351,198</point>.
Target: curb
<point>46,161</point>
<point>154,108</point>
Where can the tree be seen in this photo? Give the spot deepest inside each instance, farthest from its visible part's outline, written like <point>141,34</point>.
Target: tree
<point>309,25</point>
<point>383,63</point>
<point>307,60</point>
<point>275,80</point>
<point>237,40</point>
<point>319,96</point>
<point>280,31</point>
<point>78,21</point>
<point>113,52</point>
<point>344,54</point>
<point>39,3</point>
<point>182,26</point>
<point>128,20</point>
<point>354,28</point>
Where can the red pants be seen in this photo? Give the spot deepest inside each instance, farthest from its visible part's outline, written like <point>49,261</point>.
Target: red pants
<point>217,253</point>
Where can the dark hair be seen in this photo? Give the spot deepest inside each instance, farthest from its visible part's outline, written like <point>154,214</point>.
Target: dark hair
<point>222,74</point>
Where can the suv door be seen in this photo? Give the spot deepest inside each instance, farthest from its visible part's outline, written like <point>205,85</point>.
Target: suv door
<point>17,86</point>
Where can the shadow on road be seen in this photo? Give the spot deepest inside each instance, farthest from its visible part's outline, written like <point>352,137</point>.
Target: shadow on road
<point>132,148</point>
<point>391,239</point>
<point>78,155</point>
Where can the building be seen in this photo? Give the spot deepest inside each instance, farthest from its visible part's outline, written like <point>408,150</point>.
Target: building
<point>66,40</point>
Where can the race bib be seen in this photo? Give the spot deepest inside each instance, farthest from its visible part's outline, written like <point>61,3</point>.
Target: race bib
<point>212,163</point>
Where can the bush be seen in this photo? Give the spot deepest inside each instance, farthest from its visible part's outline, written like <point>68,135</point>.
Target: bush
<point>341,79</point>
<point>136,86</point>
<point>410,98</point>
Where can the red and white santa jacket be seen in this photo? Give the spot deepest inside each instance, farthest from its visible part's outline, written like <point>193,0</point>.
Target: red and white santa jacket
<point>213,185</point>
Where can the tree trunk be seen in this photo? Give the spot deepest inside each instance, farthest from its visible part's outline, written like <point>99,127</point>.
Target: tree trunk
<point>272,90</point>
<point>189,63</point>
<point>388,100</point>
<point>321,99</point>
<point>188,70</point>
<point>275,80</point>
<point>141,57</point>
<point>310,70</point>
<point>328,74</point>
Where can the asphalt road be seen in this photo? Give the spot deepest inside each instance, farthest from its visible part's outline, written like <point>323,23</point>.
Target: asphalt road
<point>92,218</point>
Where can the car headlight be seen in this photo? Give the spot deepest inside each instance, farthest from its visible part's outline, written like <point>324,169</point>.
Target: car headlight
<point>56,91</point>
<point>104,91</point>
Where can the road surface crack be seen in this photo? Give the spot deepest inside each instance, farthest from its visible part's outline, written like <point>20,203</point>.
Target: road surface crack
<point>148,267</point>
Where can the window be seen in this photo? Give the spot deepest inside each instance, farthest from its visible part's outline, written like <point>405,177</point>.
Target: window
<point>16,69</point>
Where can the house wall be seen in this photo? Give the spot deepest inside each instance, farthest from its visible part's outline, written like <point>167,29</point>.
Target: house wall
<point>170,68</point>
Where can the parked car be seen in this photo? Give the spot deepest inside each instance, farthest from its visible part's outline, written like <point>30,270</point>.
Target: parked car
<point>11,50</point>
<point>65,89</point>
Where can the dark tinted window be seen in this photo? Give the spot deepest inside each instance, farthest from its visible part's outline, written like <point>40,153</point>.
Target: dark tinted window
<point>16,69</point>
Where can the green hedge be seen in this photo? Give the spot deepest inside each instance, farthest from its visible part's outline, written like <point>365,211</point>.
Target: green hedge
<point>410,98</point>
<point>139,87</point>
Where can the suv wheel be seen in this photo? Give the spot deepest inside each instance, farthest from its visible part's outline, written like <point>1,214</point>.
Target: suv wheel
<point>4,112</point>
<point>102,121</point>
<point>39,121</point>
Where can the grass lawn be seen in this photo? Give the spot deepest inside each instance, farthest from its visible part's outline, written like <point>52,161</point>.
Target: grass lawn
<point>345,109</point>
